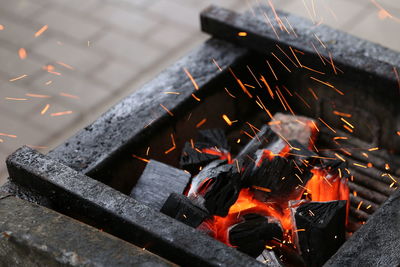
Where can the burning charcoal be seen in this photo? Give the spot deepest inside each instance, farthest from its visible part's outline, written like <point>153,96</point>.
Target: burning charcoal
<point>202,181</point>
<point>276,177</point>
<point>157,182</point>
<point>320,230</point>
<point>301,154</point>
<point>265,137</point>
<point>223,192</point>
<point>251,235</point>
<point>182,209</point>
<point>193,156</point>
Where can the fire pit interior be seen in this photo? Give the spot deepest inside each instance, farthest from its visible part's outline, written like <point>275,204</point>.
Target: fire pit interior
<point>341,111</point>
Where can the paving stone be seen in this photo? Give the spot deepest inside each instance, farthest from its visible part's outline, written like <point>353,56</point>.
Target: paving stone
<point>18,107</point>
<point>178,13</point>
<point>114,74</point>
<point>75,91</point>
<point>129,20</point>
<point>78,5</point>
<point>170,35</point>
<point>76,27</point>
<point>16,33</point>
<point>133,50</point>
<point>21,8</point>
<point>80,56</point>
<point>13,66</point>
<point>26,132</point>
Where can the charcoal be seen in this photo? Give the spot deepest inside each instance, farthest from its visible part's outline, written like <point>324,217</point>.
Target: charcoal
<point>320,230</point>
<point>301,154</point>
<point>294,128</point>
<point>214,138</point>
<point>157,182</point>
<point>264,137</point>
<point>182,209</point>
<point>192,160</point>
<point>223,192</point>
<point>277,177</point>
<point>211,171</point>
<point>251,235</point>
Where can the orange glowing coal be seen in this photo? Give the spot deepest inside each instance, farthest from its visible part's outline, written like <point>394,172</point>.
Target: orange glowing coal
<point>323,186</point>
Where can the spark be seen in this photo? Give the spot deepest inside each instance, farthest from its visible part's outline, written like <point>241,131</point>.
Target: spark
<point>16,99</point>
<point>266,110</point>
<point>287,90</point>
<point>319,55</point>
<point>327,84</point>
<point>311,69</point>
<point>195,97</point>
<point>342,114</point>
<point>38,96</point>
<point>69,95</point>
<point>286,55</point>
<point>229,93</point>
<point>172,93</point>
<point>329,127</point>
<point>294,54</point>
<point>1,27</point>
<point>261,188</point>
<point>284,99</point>
<point>22,53</point>
<point>227,120</point>
<point>173,145</point>
<point>167,110</point>
<point>140,158</point>
<point>319,40</point>
<point>290,25</point>
<point>348,128</point>
<point>303,100</point>
<point>270,24</point>
<point>41,31</point>
<point>333,64</point>
<point>348,123</point>
<point>242,34</point>
<point>8,135</point>
<point>44,110</point>
<point>339,157</point>
<point>241,84</point>
<point>313,93</point>
<point>272,70</point>
<point>216,64</point>
<point>359,205</point>
<point>196,86</point>
<point>198,125</point>
<point>65,65</point>
<point>254,76</point>
<point>360,165</point>
<point>271,93</point>
<point>272,53</point>
<point>18,78</point>
<point>61,113</point>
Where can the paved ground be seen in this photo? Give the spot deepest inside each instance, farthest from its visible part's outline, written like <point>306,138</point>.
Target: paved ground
<point>94,52</point>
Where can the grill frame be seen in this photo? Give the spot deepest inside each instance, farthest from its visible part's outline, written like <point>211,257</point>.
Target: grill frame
<point>126,124</point>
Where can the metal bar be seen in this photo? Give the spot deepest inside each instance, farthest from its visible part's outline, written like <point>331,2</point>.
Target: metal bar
<point>32,235</point>
<point>73,193</point>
